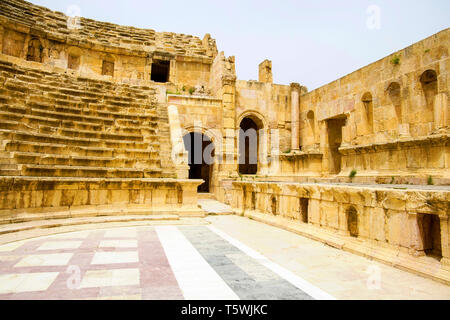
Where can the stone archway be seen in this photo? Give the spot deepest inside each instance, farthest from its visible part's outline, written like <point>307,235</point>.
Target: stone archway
<point>200,150</point>
<point>250,144</point>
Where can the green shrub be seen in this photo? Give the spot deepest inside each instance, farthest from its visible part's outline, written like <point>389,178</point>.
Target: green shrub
<point>395,60</point>
<point>352,174</point>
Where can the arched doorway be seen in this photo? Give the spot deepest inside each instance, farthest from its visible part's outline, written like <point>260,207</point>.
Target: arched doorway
<point>201,157</point>
<point>249,145</point>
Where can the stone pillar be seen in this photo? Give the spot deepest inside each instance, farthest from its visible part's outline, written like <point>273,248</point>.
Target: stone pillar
<point>346,131</point>
<point>406,103</point>
<point>265,71</point>
<point>440,112</point>
<point>324,145</point>
<point>263,165</point>
<point>230,153</point>
<point>274,152</point>
<point>179,154</point>
<point>295,118</point>
<point>445,240</point>
<point>415,246</point>
<point>1,38</point>
<point>148,69</point>
<point>173,71</point>
<point>23,54</point>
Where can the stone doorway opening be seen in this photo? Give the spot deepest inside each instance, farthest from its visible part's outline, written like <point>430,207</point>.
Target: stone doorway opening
<point>160,71</point>
<point>334,127</point>
<point>200,150</point>
<point>249,145</point>
<point>430,233</point>
<point>352,221</point>
<point>304,204</point>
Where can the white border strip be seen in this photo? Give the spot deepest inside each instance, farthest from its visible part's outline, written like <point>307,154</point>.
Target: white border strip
<point>196,278</point>
<point>300,283</point>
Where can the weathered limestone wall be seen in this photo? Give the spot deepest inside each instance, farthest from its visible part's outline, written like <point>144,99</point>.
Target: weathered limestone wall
<point>192,73</point>
<point>205,111</point>
<point>268,104</point>
<point>396,113</point>
<point>31,198</point>
<point>376,221</point>
<point>201,114</point>
<point>102,50</point>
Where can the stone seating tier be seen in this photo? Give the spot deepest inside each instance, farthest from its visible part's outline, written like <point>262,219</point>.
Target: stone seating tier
<point>55,125</point>
<point>96,33</point>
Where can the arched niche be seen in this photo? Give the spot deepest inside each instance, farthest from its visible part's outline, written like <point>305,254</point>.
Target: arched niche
<point>35,50</point>
<point>251,145</point>
<point>367,101</point>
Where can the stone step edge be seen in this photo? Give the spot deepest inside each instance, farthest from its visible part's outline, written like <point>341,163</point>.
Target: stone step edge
<point>96,213</point>
<point>60,222</point>
<point>387,256</point>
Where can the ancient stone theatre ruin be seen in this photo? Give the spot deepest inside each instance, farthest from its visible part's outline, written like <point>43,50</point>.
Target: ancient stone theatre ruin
<point>101,119</point>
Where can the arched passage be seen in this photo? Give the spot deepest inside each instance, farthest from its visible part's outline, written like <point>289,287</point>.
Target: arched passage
<point>249,145</point>
<point>200,150</point>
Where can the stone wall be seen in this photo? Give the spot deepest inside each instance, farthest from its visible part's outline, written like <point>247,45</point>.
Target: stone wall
<point>395,112</point>
<point>380,222</point>
<point>269,104</point>
<point>29,198</point>
<point>102,50</point>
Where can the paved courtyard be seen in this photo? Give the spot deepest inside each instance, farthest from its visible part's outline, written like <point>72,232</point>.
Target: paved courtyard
<point>229,258</point>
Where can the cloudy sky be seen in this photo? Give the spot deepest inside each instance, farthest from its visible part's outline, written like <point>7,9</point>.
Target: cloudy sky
<point>309,42</point>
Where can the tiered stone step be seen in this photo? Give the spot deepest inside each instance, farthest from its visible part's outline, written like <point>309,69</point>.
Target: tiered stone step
<point>99,33</point>
<point>57,125</point>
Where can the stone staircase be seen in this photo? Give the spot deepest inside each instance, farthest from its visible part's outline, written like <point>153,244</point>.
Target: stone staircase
<point>55,125</point>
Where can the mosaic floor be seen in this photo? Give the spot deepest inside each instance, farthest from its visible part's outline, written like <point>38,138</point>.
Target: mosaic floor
<point>151,262</point>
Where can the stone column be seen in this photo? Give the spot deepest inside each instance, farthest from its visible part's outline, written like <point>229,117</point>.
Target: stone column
<point>263,165</point>
<point>415,241</point>
<point>445,240</point>
<point>440,112</point>
<point>230,153</point>
<point>148,69</point>
<point>173,71</point>
<point>295,118</point>
<point>275,152</point>
<point>346,131</point>
<point>1,38</point>
<point>179,154</point>
<point>403,127</point>
<point>324,145</point>
<point>23,54</point>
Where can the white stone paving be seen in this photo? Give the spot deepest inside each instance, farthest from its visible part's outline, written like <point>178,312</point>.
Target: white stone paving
<point>196,278</point>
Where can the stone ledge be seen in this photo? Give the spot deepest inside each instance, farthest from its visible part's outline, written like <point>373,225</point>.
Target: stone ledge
<point>438,139</point>
<point>52,223</point>
<point>423,266</point>
<point>36,229</point>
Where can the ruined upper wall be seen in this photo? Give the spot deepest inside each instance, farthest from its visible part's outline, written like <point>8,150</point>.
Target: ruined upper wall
<point>42,21</point>
<point>386,99</point>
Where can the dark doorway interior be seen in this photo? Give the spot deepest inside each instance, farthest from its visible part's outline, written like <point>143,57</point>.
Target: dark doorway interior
<point>334,141</point>
<point>248,147</point>
<point>430,231</point>
<point>160,71</point>
<point>352,222</point>
<point>304,204</point>
<point>201,153</point>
